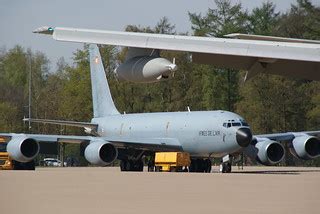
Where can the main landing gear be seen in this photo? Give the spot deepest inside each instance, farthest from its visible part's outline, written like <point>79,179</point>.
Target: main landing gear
<point>131,165</point>
<point>23,166</point>
<point>200,165</point>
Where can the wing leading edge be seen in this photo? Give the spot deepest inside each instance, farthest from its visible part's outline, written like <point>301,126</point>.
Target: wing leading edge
<point>157,144</point>
<point>288,135</point>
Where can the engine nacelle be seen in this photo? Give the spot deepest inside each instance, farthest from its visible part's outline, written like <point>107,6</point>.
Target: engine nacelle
<point>23,149</point>
<point>305,147</point>
<point>266,152</point>
<point>100,153</point>
<point>145,69</point>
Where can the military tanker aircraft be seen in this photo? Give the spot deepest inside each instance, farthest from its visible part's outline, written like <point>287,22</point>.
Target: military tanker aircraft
<point>128,137</point>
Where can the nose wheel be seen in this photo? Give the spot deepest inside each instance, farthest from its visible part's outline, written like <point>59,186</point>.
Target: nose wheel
<point>225,166</point>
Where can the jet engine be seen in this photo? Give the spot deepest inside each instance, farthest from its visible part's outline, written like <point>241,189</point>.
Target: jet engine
<point>23,149</point>
<point>266,152</point>
<point>305,147</point>
<point>100,153</point>
<point>145,69</point>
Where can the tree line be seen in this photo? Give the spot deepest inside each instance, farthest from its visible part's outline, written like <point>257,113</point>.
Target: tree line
<point>269,103</point>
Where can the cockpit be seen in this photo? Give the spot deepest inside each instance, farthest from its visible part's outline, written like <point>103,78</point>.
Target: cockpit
<point>231,123</point>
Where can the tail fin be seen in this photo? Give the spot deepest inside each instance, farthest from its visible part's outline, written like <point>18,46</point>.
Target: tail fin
<point>103,104</point>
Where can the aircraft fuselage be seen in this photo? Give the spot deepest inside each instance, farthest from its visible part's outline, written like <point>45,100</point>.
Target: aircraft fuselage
<point>201,133</point>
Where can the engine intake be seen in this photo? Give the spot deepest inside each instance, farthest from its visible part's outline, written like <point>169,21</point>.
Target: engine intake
<point>266,152</point>
<point>305,147</point>
<point>23,149</point>
<point>100,153</point>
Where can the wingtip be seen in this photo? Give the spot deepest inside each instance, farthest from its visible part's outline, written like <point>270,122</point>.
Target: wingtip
<point>44,30</point>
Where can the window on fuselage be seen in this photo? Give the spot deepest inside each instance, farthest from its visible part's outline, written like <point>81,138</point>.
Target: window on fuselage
<point>236,124</point>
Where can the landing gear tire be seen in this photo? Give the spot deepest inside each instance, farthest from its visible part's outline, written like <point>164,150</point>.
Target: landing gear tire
<point>208,165</point>
<point>130,166</point>
<point>30,165</point>
<point>200,165</point>
<point>123,165</point>
<point>193,166</point>
<point>158,169</point>
<point>139,166</point>
<point>226,167</point>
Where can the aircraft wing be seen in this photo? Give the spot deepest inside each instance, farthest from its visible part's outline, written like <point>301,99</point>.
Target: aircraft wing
<point>282,56</point>
<point>157,144</point>
<point>288,135</point>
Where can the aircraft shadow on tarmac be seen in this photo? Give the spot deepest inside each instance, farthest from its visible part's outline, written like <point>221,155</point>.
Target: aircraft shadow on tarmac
<point>279,172</point>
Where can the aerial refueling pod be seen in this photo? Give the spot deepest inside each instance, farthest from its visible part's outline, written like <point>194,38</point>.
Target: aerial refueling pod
<point>266,152</point>
<point>23,149</point>
<point>145,66</point>
<point>100,153</point>
<point>305,147</point>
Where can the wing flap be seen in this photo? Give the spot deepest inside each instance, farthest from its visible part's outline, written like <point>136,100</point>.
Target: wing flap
<point>270,38</point>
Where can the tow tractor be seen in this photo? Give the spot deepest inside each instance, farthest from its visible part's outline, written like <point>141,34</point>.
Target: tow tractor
<point>172,161</point>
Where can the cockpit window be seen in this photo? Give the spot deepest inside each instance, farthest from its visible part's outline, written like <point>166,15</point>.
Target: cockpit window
<point>227,125</point>
<point>233,123</point>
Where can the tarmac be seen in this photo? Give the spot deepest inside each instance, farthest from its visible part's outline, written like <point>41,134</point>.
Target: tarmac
<point>107,190</point>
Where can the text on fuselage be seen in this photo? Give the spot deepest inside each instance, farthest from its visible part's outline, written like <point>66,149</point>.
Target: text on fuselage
<point>207,133</point>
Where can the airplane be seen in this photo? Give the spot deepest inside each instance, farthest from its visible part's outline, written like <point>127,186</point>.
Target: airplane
<point>128,137</point>
<point>256,54</point>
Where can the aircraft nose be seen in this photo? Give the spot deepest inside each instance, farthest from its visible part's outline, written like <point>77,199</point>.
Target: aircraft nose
<point>244,137</point>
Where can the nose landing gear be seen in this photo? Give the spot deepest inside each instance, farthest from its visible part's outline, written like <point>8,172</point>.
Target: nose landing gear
<point>225,166</point>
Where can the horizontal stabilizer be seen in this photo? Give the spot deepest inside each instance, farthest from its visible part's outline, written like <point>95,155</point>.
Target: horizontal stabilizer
<point>62,122</point>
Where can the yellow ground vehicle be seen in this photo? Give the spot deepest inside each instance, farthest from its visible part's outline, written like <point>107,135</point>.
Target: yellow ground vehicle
<point>7,163</point>
<point>5,160</point>
<point>172,161</point>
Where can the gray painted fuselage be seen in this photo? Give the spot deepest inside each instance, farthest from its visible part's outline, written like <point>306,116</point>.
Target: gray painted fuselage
<point>199,133</point>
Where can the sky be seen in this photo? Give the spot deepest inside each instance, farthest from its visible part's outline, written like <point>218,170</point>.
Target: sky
<point>19,17</point>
